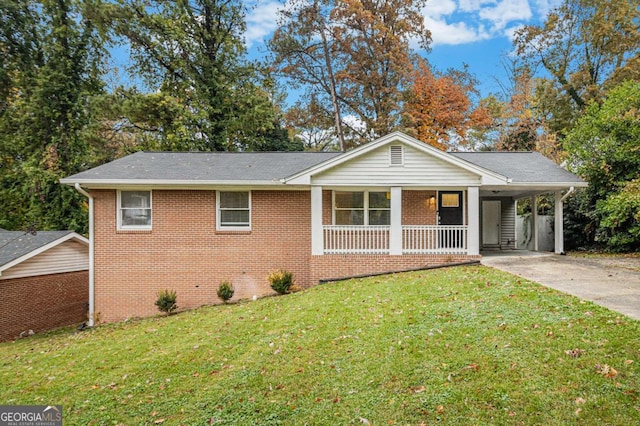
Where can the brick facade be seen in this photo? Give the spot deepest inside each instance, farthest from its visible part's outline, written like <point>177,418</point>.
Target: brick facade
<point>43,302</point>
<point>184,251</point>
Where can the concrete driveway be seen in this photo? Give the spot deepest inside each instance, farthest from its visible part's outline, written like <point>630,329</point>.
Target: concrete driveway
<point>612,282</point>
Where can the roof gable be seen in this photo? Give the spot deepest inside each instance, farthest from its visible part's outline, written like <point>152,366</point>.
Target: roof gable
<point>17,246</point>
<point>370,160</point>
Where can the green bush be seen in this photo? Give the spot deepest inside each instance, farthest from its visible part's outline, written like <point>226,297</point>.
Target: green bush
<point>166,301</point>
<point>280,280</point>
<point>225,291</point>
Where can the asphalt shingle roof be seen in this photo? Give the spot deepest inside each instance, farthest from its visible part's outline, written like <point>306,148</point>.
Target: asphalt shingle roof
<point>521,167</point>
<point>15,244</point>
<point>206,166</point>
<point>251,167</point>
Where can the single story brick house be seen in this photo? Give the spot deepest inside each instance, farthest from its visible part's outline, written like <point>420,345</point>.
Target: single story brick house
<point>188,221</point>
<point>44,281</point>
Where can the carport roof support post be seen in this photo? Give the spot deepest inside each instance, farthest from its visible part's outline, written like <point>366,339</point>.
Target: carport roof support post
<point>559,222</point>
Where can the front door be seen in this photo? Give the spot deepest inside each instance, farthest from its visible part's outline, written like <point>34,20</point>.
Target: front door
<point>450,208</point>
<point>491,223</point>
<point>450,213</point>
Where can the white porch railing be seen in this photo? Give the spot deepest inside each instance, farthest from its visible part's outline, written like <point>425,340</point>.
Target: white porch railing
<point>374,239</point>
<point>356,239</point>
<point>434,239</point>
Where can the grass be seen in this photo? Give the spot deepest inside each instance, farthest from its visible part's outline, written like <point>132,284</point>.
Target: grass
<point>467,345</point>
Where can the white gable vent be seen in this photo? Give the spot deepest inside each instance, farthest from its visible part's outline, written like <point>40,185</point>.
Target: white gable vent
<point>396,155</point>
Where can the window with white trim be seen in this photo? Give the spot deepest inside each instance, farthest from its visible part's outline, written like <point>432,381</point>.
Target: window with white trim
<point>361,208</point>
<point>134,209</point>
<point>234,210</point>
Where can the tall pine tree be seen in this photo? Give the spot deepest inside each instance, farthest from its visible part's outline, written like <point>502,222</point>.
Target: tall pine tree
<point>50,53</point>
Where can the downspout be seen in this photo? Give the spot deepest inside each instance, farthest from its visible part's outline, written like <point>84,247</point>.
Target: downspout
<point>81,190</point>
<point>564,197</point>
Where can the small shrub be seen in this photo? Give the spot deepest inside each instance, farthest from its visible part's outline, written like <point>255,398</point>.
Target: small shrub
<point>167,301</point>
<point>225,291</point>
<point>280,280</point>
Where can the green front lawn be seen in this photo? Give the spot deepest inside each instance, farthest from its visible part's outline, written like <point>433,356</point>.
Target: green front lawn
<point>466,345</point>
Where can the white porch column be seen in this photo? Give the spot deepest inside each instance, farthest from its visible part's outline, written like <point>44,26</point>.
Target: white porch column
<point>395,229</point>
<point>534,221</point>
<point>559,230</point>
<point>473,231</point>
<point>317,236</point>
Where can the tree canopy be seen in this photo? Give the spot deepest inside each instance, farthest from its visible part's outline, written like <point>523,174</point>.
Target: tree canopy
<point>604,148</point>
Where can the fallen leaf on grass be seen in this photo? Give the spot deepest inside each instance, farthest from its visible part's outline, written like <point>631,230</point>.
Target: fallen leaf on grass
<point>157,422</point>
<point>419,389</point>
<point>606,371</point>
<point>574,353</point>
<point>580,400</point>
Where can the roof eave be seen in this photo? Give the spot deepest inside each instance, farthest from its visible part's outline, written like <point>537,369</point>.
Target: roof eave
<point>42,249</point>
<point>116,183</point>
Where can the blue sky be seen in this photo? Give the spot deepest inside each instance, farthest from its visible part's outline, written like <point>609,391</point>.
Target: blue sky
<point>475,32</point>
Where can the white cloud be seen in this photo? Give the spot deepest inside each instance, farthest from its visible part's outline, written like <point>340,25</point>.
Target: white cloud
<point>466,21</point>
<point>473,5</point>
<point>446,33</point>
<point>261,20</point>
<point>505,12</point>
<point>440,7</point>
<point>542,7</point>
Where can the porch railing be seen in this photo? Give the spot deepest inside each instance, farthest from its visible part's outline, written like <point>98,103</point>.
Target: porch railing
<point>434,239</point>
<point>374,239</point>
<point>348,239</point>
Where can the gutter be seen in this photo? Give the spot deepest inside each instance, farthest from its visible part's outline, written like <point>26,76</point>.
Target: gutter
<point>90,321</point>
<point>569,192</point>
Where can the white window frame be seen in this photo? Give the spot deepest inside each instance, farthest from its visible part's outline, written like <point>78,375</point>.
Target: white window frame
<point>119,208</point>
<point>365,209</point>
<point>219,226</point>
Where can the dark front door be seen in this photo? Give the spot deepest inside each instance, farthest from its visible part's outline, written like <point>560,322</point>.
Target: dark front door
<point>450,213</point>
<point>450,208</point>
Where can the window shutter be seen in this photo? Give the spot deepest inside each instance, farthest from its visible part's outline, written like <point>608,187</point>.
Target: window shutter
<point>396,155</point>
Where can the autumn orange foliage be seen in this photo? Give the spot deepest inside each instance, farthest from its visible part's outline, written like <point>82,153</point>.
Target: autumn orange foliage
<point>438,108</point>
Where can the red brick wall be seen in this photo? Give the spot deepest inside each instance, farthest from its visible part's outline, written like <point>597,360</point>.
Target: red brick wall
<point>416,209</point>
<point>43,302</point>
<point>338,266</point>
<point>185,253</point>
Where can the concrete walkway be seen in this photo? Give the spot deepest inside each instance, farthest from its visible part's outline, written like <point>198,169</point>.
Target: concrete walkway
<point>612,282</point>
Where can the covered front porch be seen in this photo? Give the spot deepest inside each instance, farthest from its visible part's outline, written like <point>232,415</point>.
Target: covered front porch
<point>405,221</point>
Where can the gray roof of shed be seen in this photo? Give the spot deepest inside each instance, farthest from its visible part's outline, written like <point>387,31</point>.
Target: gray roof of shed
<point>205,166</point>
<point>521,167</point>
<point>15,244</point>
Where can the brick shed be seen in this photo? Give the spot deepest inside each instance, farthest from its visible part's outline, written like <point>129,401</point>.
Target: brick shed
<point>44,281</point>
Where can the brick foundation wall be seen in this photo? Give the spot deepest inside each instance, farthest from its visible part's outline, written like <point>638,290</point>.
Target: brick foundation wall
<point>43,302</point>
<point>185,253</point>
<point>339,266</point>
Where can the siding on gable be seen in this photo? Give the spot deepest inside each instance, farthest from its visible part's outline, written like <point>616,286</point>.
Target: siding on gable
<point>419,169</point>
<point>508,224</point>
<point>69,256</point>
